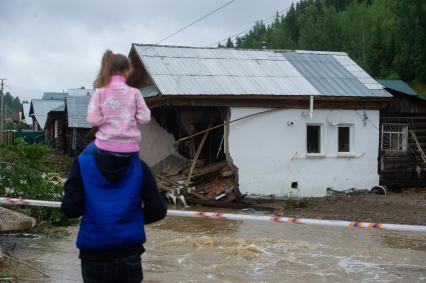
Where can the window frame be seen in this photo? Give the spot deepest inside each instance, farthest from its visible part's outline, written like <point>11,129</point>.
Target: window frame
<point>56,134</point>
<point>351,138</point>
<point>403,142</point>
<point>320,140</point>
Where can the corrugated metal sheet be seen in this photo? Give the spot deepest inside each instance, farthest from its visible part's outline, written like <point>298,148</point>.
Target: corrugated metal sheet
<point>26,113</point>
<point>335,75</point>
<point>77,111</point>
<point>398,85</point>
<point>58,109</point>
<point>41,107</point>
<point>54,95</point>
<point>215,71</point>
<point>358,72</point>
<point>80,92</point>
<point>149,91</point>
<point>209,71</point>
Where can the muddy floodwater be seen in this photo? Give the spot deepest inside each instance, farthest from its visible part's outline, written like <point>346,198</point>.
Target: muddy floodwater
<point>205,250</point>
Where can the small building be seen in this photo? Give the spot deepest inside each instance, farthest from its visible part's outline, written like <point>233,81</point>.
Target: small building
<point>56,124</point>
<point>54,95</point>
<point>39,109</point>
<point>288,122</point>
<point>55,127</point>
<point>80,92</point>
<point>403,138</point>
<point>25,112</point>
<point>78,132</point>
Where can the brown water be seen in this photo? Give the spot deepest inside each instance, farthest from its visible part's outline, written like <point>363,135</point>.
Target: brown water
<point>204,250</point>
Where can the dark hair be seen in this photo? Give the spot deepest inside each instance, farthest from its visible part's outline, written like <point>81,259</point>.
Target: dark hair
<point>111,64</point>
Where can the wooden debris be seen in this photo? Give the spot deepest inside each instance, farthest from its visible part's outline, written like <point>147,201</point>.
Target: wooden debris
<point>197,154</point>
<point>205,182</point>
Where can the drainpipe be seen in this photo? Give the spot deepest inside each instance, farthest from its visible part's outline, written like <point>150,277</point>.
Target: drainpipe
<point>311,106</point>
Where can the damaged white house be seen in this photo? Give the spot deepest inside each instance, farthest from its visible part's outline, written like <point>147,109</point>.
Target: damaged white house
<point>310,119</point>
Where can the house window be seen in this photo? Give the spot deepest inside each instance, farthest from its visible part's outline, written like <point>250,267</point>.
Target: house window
<point>394,137</point>
<point>56,128</point>
<point>344,139</point>
<point>313,138</point>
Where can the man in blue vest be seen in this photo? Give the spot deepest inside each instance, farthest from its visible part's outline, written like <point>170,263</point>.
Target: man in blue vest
<point>108,190</point>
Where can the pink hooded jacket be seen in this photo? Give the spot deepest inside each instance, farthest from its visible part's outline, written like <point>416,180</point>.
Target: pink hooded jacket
<point>116,109</point>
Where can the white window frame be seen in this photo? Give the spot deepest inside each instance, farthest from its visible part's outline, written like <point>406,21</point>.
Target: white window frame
<point>351,138</point>
<point>321,150</point>
<point>401,134</point>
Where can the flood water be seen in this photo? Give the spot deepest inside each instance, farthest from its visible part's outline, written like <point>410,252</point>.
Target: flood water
<point>205,250</point>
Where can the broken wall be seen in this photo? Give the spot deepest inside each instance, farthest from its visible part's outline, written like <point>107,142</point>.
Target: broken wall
<point>156,143</point>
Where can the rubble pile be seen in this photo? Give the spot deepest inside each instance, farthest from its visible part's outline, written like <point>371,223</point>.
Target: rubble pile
<point>208,182</point>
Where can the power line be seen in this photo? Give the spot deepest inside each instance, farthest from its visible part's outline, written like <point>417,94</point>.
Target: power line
<point>1,105</point>
<point>196,21</point>
<point>265,21</point>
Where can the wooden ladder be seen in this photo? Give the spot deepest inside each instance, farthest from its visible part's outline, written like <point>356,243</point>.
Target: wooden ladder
<point>419,148</point>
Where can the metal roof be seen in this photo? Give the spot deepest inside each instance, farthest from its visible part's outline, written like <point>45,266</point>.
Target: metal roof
<point>26,113</point>
<point>179,70</point>
<point>335,75</point>
<point>41,107</point>
<point>77,111</point>
<point>58,109</point>
<point>149,91</point>
<point>212,71</point>
<point>399,86</point>
<point>80,92</point>
<point>54,95</point>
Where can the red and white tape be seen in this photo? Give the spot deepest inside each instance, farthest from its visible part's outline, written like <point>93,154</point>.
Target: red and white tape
<point>246,217</point>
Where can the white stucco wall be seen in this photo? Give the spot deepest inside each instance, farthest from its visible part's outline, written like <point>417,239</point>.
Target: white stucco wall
<point>156,143</point>
<point>271,154</point>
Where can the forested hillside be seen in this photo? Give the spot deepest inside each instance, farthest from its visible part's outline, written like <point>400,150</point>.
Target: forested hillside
<point>386,37</point>
<point>12,108</point>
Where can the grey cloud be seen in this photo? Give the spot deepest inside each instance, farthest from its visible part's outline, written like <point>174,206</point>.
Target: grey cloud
<point>51,45</point>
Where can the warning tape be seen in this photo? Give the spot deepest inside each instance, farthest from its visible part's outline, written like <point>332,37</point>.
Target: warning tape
<point>246,217</point>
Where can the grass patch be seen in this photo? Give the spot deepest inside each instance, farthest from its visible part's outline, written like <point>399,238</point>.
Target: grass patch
<point>27,172</point>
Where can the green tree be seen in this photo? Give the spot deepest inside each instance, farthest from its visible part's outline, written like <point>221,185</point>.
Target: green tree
<point>229,43</point>
<point>386,37</point>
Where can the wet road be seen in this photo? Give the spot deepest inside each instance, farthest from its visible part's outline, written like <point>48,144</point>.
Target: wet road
<point>205,250</point>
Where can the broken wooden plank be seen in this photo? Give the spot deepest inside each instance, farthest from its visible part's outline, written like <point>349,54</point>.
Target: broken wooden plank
<point>197,154</point>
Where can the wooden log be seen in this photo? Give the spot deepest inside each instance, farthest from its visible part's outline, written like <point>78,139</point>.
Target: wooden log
<point>200,196</point>
<point>197,154</point>
<point>227,174</point>
<point>168,180</point>
<point>210,169</point>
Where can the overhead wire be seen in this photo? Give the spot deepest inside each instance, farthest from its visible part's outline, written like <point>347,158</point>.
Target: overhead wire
<point>196,21</point>
<point>265,21</point>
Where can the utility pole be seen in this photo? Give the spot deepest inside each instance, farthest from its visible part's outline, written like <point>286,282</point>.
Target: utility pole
<point>1,105</point>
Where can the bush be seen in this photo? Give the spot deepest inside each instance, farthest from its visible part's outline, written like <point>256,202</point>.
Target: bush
<point>25,172</point>
<point>296,203</point>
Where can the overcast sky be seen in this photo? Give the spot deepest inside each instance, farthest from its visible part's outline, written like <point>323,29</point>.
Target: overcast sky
<point>52,45</point>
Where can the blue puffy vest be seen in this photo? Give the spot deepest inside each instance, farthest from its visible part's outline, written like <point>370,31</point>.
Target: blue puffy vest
<point>113,215</point>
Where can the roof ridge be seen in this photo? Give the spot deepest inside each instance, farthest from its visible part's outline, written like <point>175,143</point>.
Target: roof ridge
<point>243,49</point>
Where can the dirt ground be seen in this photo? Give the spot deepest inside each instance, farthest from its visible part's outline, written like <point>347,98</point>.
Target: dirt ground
<point>397,208</point>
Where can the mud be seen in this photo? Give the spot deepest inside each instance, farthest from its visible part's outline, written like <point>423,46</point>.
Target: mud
<point>398,208</point>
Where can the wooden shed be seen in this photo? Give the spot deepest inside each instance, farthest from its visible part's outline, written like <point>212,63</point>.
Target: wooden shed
<point>55,127</point>
<point>78,131</point>
<point>402,138</point>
